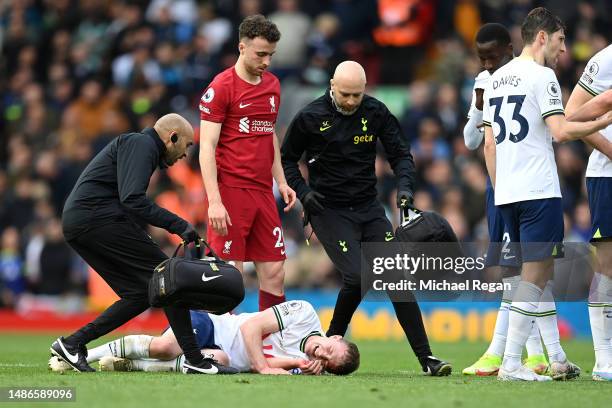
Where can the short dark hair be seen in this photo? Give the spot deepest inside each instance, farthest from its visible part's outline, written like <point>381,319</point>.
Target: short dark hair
<point>539,19</point>
<point>493,32</point>
<point>258,26</point>
<point>350,362</point>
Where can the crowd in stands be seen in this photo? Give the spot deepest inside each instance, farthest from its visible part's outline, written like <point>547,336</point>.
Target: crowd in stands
<point>76,73</point>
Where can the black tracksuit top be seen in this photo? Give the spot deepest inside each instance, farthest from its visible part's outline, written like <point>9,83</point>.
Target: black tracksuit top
<point>113,186</point>
<point>341,151</point>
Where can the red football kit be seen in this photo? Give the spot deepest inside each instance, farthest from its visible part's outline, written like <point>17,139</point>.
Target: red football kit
<point>244,156</point>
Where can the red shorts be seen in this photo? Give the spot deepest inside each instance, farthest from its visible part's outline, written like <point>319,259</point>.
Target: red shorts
<point>256,233</point>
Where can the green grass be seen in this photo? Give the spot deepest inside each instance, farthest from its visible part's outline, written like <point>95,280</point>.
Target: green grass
<point>389,376</point>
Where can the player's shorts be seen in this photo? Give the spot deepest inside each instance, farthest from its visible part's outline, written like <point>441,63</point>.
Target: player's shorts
<point>203,328</point>
<point>599,190</point>
<point>499,252</point>
<point>256,233</point>
<point>537,225</point>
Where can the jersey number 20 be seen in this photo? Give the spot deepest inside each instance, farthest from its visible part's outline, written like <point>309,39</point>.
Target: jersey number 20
<point>517,100</point>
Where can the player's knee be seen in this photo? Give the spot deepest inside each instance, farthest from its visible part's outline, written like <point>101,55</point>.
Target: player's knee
<point>162,348</point>
<point>273,273</point>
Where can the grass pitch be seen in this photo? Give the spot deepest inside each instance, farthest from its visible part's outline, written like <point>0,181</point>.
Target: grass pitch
<point>389,376</point>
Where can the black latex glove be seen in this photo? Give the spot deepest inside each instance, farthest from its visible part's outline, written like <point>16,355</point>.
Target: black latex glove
<point>189,234</point>
<point>405,199</point>
<point>312,203</point>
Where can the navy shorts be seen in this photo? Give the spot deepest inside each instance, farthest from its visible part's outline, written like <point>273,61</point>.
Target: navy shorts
<point>499,252</point>
<point>599,190</point>
<point>203,328</point>
<point>537,225</point>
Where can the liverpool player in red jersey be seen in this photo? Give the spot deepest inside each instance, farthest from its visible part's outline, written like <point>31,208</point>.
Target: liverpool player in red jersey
<point>239,156</point>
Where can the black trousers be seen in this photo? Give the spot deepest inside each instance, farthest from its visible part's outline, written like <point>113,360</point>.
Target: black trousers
<point>124,255</point>
<point>341,231</point>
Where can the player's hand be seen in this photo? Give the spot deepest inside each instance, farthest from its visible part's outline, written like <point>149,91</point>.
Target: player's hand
<point>607,118</point>
<point>189,234</point>
<point>479,102</point>
<point>312,203</point>
<point>311,367</point>
<point>289,196</point>
<point>274,371</point>
<point>405,199</point>
<point>218,218</point>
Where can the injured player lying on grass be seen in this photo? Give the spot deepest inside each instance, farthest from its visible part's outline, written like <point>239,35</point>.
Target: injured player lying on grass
<point>286,338</point>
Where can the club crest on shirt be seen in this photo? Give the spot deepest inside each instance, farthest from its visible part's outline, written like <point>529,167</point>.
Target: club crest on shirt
<point>272,104</point>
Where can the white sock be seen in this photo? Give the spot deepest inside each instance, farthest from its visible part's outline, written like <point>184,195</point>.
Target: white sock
<point>175,365</point>
<point>600,316</point>
<point>133,347</point>
<point>534,343</point>
<point>521,320</point>
<point>547,322</point>
<point>498,342</point>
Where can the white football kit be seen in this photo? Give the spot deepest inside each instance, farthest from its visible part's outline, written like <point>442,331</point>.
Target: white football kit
<point>520,95</point>
<point>597,78</point>
<point>296,319</point>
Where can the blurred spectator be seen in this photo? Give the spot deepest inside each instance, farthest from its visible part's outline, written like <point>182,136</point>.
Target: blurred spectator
<point>323,54</point>
<point>294,26</point>
<point>55,262</point>
<point>405,27</point>
<point>12,282</point>
<point>86,114</point>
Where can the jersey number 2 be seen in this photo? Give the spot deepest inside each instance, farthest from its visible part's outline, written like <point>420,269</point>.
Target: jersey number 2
<point>517,100</point>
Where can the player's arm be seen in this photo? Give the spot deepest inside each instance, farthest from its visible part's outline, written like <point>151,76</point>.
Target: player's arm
<point>291,152</point>
<point>252,331</point>
<point>279,175</point>
<point>309,367</point>
<point>563,130</point>
<point>489,152</point>
<point>398,152</point>
<point>136,161</point>
<point>591,107</point>
<point>218,217</point>
<point>472,131</point>
<point>574,112</point>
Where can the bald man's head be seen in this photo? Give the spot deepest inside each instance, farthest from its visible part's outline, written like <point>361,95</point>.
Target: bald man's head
<point>348,87</point>
<point>177,134</point>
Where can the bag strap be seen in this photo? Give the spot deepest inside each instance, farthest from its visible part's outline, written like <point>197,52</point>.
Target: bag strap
<point>198,248</point>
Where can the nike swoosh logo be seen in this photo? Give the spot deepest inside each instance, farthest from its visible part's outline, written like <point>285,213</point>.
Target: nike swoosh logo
<point>73,358</point>
<point>212,370</point>
<point>508,257</point>
<point>323,129</point>
<point>244,106</point>
<point>209,278</point>
<point>389,239</point>
<point>282,252</point>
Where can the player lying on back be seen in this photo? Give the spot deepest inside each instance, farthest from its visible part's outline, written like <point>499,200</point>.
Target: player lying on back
<point>284,337</point>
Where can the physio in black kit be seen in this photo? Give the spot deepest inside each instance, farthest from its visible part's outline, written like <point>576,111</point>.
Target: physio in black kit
<point>338,133</point>
<point>102,221</point>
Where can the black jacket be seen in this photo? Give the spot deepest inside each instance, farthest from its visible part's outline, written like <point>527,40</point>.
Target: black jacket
<point>113,186</point>
<point>341,151</point>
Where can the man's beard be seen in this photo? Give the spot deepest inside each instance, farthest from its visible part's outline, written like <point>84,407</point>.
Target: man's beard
<point>340,109</point>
